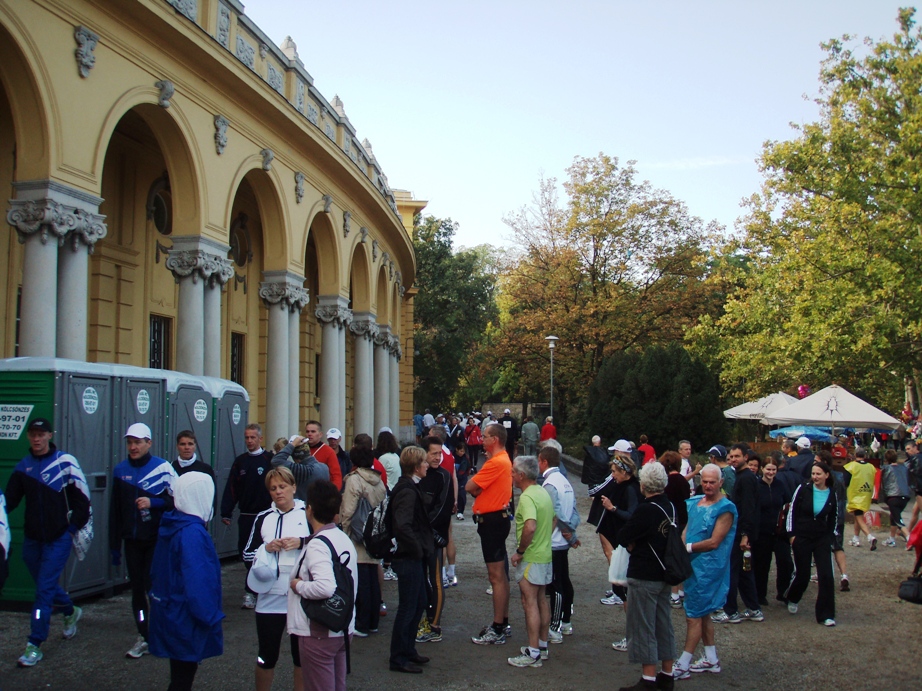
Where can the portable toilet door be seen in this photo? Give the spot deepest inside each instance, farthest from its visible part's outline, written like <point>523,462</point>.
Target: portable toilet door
<point>141,399</point>
<point>189,407</point>
<point>231,413</point>
<point>84,430</point>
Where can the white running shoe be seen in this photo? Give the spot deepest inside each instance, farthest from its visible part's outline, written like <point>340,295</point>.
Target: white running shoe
<point>138,650</point>
<point>249,601</point>
<point>680,672</point>
<point>855,542</point>
<point>705,665</point>
<point>620,646</point>
<point>829,622</point>
<point>524,660</point>
<point>70,623</point>
<point>612,600</point>
<point>389,574</point>
<point>792,607</point>
<point>873,541</point>
<point>554,636</point>
<point>566,628</point>
<point>890,542</point>
<point>543,653</point>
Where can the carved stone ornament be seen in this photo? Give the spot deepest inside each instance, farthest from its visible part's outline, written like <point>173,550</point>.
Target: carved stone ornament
<point>347,223</point>
<point>263,50</point>
<point>186,7</point>
<point>364,328</point>
<point>364,231</point>
<point>329,130</point>
<point>313,115</point>
<point>199,265</point>
<point>299,298</point>
<point>299,186</point>
<point>267,158</point>
<point>220,133</point>
<point>374,250</point>
<point>278,293</point>
<point>224,22</point>
<point>46,216</point>
<point>86,44</point>
<point>382,336</point>
<point>393,344</point>
<point>245,52</point>
<point>334,314</point>
<point>166,92</point>
<point>327,203</point>
<point>401,290</point>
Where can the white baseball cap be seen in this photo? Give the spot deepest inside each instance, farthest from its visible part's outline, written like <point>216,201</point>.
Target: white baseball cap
<point>802,443</point>
<point>139,430</point>
<point>621,445</point>
<point>507,412</point>
<point>264,572</point>
<point>334,433</point>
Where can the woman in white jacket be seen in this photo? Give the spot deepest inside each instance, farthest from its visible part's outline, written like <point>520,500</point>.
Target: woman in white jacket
<point>273,548</point>
<point>323,652</point>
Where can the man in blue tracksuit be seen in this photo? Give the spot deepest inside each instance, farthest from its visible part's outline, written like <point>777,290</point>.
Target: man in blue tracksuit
<point>57,506</point>
<point>141,492</point>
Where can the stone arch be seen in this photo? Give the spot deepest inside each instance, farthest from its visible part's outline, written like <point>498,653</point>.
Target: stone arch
<point>323,235</point>
<point>273,214</point>
<point>360,275</point>
<point>31,103</point>
<point>176,140</point>
<point>382,298</point>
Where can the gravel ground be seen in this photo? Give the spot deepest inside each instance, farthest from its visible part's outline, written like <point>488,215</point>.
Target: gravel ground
<point>865,651</point>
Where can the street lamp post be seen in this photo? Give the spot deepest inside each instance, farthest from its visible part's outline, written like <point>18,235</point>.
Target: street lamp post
<point>551,343</point>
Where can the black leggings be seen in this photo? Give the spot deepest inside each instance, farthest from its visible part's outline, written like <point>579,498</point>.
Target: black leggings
<point>819,550</point>
<point>182,674</point>
<point>139,555</point>
<point>269,631</point>
<point>561,588</point>
<point>368,599</point>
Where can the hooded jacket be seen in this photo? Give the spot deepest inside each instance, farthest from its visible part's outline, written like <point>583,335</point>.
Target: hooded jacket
<point>802,523</point>
<point>361,482</point>
<point>185,594</point>
<point>595,465</point>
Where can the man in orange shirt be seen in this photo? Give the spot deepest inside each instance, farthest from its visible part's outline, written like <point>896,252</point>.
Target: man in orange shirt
<point>491,488</point>
<point>322,451</point>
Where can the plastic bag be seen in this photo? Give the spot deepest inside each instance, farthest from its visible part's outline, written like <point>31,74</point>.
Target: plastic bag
<point>617,569</point>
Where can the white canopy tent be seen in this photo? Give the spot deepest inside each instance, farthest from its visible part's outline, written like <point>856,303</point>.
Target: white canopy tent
<point>758,410</point>
<point>832,407</point>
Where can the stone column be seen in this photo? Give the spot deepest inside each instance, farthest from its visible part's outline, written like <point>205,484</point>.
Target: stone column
<point>382,378</point>
<point>395,384</point>
<point>278,292</point>
<point>298,301</point>
<point>194,260</point>
<point>365,330</point>
<point>43,214</point>
<point>221,272</point>
<point>334,315</point>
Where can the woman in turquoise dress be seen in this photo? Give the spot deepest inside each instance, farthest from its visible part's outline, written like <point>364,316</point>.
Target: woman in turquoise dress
<point>708,537</point>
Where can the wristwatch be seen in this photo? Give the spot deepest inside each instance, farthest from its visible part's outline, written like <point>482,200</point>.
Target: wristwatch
<point>519,552</point>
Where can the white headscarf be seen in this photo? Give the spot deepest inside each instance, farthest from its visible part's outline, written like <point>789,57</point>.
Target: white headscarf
<point>193,493</point>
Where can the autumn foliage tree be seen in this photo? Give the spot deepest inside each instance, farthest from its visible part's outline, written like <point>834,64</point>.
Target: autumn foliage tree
<point>830,289</point>
<point>619,265</point>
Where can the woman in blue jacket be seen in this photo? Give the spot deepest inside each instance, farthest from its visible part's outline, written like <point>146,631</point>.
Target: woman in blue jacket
<point>185,596</point>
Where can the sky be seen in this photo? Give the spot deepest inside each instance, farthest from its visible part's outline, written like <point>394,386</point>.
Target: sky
<point>468,104</point>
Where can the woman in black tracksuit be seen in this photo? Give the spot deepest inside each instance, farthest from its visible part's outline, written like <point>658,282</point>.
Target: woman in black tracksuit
<point>812,525</point>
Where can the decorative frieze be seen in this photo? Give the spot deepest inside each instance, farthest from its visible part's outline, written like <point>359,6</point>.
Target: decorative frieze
<point>274,77</point>
<point>263,50</point>
<point>187,7</point>
<point>220,133</point>
<point>224,22</point>
<point>329,130</point>
<point>299,97</point>
<point>166,92</point>
<point>299,186</point>
<point>86,44</point>
<point>313,115</point>
<point>245,52</point>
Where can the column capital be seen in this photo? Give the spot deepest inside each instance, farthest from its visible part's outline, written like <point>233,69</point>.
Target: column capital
<point>364,326</point>
<point>382,336</point>
<point>285,289</point>
<point>393,345</point>
<point>200,258</point>
<point>46,207</point>
<point>334,309</point>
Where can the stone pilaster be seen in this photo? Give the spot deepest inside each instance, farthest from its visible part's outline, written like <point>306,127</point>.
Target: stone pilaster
<point>382,378</point>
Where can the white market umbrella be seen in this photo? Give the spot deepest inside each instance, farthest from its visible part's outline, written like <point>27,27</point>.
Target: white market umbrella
<point>832,407</point>
<point>757,410</point>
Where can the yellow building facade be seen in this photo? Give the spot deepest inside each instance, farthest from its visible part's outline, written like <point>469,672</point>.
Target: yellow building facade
<point>183,197</point>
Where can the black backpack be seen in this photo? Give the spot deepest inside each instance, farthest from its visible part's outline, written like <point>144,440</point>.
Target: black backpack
<point>359,520</point>
<point>377,536</point>
<point>676,562</point>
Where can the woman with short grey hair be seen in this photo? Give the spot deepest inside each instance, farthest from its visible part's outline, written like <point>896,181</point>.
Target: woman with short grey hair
<point>650,634</point>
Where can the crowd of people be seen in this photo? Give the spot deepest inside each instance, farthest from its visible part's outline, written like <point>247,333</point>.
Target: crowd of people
<point>305,507</point>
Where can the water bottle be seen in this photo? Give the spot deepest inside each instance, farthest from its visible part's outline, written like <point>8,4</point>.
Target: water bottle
<point>747,560</point>
<point>145,515</point>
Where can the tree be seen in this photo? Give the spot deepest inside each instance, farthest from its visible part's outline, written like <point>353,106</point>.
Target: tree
<point>619,266</point>
<point>454,304</point>
<point>831,291</point>
<point>662,392</point>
